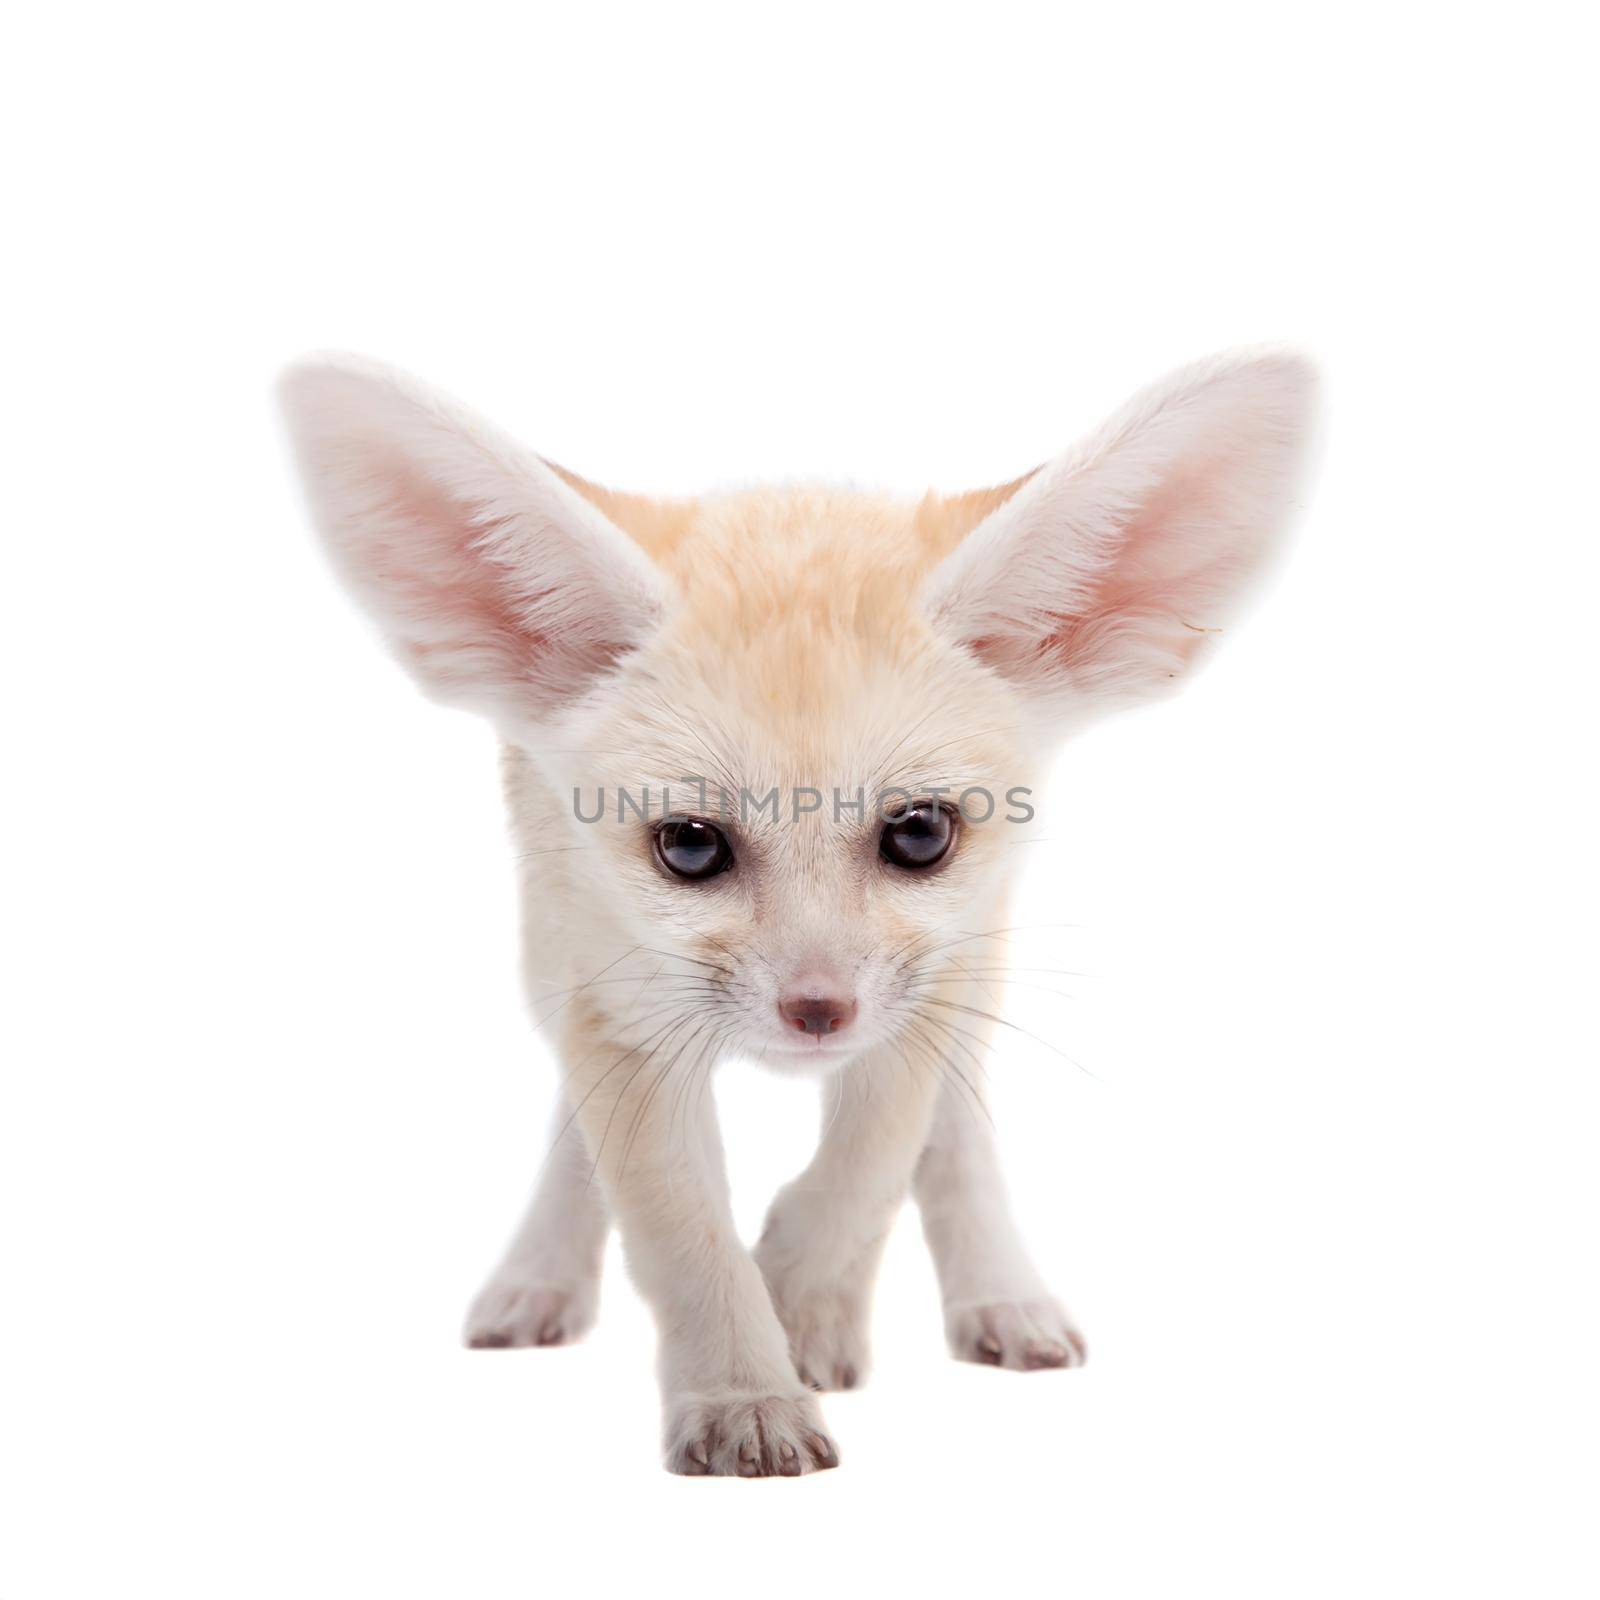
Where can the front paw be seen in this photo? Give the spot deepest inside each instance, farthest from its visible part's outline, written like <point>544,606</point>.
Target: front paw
<point>747,1436</point>
<point>826,1323</point>
<point>827,1331</point>
<point>512,1310</point>
<point>1024,1335</point>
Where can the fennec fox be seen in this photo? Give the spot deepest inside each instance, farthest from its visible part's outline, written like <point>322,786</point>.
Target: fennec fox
<point>761,753</point>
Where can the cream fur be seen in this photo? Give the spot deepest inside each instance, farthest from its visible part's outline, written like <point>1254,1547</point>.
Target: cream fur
<point>803,640</point>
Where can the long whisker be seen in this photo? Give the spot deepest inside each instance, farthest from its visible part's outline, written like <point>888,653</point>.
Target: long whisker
<point>922,986</point>
<point>963,1039</point>
<point>572,1116</point>
<point>671,1033</point>
<point>601,973</point>
<point>674,1055</point>
<point>1004,1022</point>
<point>932,1054</point>
<point>993,933</point>
<point>673,955</point>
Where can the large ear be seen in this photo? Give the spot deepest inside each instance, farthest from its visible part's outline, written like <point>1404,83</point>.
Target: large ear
<point>1107,572</point>
<point>498,585</point>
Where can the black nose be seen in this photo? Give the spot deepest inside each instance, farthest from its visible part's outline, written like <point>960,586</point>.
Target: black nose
<point>816,1013</point>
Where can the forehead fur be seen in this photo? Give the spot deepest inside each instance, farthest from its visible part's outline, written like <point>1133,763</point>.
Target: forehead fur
<point>865,536</point>
<point>799,640</point>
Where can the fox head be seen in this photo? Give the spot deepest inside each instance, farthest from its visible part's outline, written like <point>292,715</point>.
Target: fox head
<point>781,734</point>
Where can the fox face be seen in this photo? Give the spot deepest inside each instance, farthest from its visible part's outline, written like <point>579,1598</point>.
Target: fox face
<point>797,785</point>
<point>780,740</point>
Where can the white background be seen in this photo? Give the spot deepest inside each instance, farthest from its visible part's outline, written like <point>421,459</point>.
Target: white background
<point>1325,1205</point>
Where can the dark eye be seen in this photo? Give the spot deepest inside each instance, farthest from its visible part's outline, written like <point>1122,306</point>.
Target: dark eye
<point>919,837</point>
<point>689,848</point>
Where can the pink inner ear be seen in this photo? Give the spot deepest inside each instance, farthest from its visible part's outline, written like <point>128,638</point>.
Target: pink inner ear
<point>499,586</point>
<point>1177,559</point>
<point>1111,569</point>
<point>472,613</point>
<point>455,597</point>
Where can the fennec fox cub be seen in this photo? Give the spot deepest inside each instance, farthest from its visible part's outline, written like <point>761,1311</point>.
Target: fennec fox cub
<point>761,752</point>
